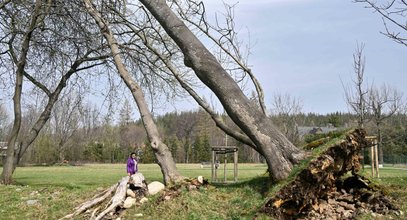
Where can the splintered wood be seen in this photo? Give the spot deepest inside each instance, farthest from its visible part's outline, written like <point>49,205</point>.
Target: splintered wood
<point>319,192</point>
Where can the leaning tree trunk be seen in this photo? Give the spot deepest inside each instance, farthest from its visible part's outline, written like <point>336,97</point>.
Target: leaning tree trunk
<point>278,151</point>
<point>161,151</point>
<point>8,166</point>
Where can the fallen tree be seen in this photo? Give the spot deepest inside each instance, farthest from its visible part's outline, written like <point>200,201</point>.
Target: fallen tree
<point>319,191</point>
<point>129,191</point>
<point>322,189</point>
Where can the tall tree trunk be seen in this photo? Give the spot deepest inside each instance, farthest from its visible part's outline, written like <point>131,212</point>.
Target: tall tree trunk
<point>8,167</point>
<point>161,151</point>
<point>52,99</point>
<point>278,151</point>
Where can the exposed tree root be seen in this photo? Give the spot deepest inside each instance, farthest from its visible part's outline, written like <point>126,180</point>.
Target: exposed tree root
<point>318,192</point>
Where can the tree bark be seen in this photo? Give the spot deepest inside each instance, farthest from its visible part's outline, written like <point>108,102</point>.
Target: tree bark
<point>117,199</point>
<point>161,151</point>
<point>91,203</point>
<point>279,153</point>
<point>8,167</point>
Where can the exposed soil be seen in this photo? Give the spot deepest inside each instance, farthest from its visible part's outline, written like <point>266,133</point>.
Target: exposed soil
<point>320,191</point>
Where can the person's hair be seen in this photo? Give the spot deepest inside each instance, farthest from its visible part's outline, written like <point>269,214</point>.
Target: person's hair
<point>133,153</point>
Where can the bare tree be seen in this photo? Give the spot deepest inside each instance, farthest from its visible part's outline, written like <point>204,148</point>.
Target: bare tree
<point>285,111</point>
<point>393,13</point>
<point>162,153</point>
<point>355,95</point>
<point>53,58</point>
<point>185,83</point>
<point>383,102</point>
<point>65,121</point>
<point>19,74</point>
<point>186,127</point>
<point>231,52</point>
<point>125,113</point>
<point>280,153</point>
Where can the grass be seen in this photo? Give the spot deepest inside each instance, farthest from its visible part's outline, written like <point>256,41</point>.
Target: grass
<point>393,181</point>
<point>59,189</point>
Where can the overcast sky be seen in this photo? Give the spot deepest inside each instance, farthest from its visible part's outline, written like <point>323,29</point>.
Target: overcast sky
<point>305,47</point>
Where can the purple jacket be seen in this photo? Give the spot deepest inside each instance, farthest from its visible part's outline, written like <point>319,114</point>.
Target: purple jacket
<point>132,166</point>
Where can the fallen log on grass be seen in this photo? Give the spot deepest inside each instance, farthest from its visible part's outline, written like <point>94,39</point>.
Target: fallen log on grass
<point>113,197</point>
<point>117,199</point>
<point>96,200</point>
<point>320,192</point>
<point>126,193</point>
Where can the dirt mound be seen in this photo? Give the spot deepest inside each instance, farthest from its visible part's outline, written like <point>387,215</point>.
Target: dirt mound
<point>320,192</point>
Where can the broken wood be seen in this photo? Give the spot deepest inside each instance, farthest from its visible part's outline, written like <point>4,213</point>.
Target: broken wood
<point>115,194</point>
<point>319,192</point>
<point>117,199</point>
<point>112,200</point>
<point>99,198</point>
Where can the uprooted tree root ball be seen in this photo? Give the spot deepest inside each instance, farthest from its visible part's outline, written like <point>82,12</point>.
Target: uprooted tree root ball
<point>319,192</point>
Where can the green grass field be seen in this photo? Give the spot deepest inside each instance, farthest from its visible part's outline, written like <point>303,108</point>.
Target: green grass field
<point>59,189</point>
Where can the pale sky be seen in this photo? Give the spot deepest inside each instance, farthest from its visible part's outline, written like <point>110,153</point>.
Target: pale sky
<point>304,48</point>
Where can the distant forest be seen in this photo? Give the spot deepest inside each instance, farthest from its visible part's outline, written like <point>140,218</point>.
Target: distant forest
<point>189,135</point>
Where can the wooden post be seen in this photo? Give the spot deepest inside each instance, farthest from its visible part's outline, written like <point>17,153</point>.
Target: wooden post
<point>216,169</point>
<point>372,158</point>
<point>376,159</point>
<point>374,155</point>
<point>235,165</point>
<point>224,169</point>
<point>224,150</point>
<point>213,166</point>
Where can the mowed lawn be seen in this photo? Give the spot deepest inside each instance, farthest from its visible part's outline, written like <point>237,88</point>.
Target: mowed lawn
<point>58,189</point>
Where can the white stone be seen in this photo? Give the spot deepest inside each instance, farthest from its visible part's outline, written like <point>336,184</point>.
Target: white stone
<point>143,200</point>
<point>34,193</point>
<point>129,202</point>
<point>130,193</point>
<point>155,187</point>
<point>32,202</point>
<point>137,179</point>
<point>200,179</point>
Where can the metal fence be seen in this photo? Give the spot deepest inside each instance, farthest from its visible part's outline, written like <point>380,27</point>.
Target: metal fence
<point>395,159</point>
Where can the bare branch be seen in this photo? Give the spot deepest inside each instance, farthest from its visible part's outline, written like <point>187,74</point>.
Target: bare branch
<point>394,12</point>
<point>176,73</point>
<point>227,35</point>
<point>355,96</point>
<point>4,3</point>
